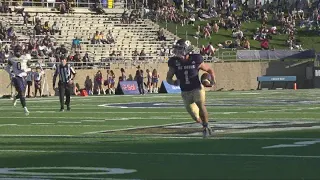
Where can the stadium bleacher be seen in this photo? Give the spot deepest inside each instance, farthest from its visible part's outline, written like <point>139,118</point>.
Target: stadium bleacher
<point>140,35</point>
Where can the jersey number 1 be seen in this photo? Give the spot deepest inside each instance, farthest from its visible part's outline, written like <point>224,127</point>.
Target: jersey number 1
<point>186,76</point>
<point>18,66</point>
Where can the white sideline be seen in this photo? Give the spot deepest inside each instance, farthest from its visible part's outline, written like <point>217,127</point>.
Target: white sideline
<point>58,177</point>
<point>164,154</point>
<point>157,136</point>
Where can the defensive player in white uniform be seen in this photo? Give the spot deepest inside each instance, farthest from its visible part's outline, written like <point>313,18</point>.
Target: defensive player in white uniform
<point>17,69</point>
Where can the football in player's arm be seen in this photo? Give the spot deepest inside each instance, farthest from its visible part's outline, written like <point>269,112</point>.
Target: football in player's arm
<point>185,66</point>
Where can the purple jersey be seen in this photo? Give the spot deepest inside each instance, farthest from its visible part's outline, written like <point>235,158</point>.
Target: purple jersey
<point>187,71</point>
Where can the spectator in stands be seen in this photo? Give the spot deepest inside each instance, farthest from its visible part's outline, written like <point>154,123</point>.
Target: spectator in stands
<point>46,40</point>
<point>121,56</point>
<point>37,19</point>
<point>96,38</point>
<point>215,27</point>
<point>5,7</point>
<point>55,29</point>
<point>62,50</point>
<point>142,55</point>
<point>86,59</point>
<point>42,48</point>
<point>76,43</point>
<point>11,34</point>
<point>135,55</point>
<point>63,7</point>
<point>206,32</point>
<point>192,19</point>
<point>52,61</point>
<point>37,28</point>
<point>210,50</point>
<point>134,15</point>
<point>77,60</point>
<point>46,28</point>
<point>6,54</point>
<point>161,36</point>
<point>110,38</point>
<point>33,47</point>
<point>125,17</point>
<point>27,19</point>
<point>3,32</point>
<point>98,8</point>
<point>113,56</point>
<point>102,38</point>
<point>245,43</point>
<point>265,44</point>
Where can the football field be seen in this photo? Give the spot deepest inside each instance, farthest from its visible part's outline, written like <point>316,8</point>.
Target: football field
<point>258,135</point>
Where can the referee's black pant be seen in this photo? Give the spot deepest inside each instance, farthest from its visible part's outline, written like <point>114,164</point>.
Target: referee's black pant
<point>64,90</point>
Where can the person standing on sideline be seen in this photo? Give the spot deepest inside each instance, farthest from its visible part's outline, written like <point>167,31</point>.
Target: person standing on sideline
<point>139,77</point>
<point>155,80</point>
<point>29,82</point>
<point>37,80</point>
<point>149,81</point>
<point>66,75</point>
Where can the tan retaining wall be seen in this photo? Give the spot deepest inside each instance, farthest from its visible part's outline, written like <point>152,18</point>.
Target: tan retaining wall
<point>236,75</point>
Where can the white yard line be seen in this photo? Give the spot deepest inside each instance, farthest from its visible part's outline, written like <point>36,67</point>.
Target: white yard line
<point>42,123</point>
<point>8,125</point>
<point>93,120</point>
<point>139,127</point>
<point>154,153</point>
<point>34,135</point>
<point>70,122</point>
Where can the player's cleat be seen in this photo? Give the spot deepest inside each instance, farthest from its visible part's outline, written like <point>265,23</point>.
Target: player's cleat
<point>26,112</point>
<point>61,110</point>
<point>68,108</point>
<point>207,131</point>
<point>14,101</point>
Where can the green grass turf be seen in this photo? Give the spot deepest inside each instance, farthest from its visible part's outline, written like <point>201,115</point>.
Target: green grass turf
<point>76,140</point>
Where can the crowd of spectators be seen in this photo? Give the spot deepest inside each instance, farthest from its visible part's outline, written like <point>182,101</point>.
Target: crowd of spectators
<point>274,17</point>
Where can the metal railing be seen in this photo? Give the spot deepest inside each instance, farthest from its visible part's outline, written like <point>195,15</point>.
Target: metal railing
<point>106,61</point>
<point>74,3</point>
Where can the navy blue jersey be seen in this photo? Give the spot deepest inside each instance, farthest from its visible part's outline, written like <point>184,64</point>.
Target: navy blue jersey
<point>187,71</point>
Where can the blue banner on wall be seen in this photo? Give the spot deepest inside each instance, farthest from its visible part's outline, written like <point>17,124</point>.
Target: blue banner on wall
<point>167,88</point>
<point>128,87</point>
<point>276,78</point>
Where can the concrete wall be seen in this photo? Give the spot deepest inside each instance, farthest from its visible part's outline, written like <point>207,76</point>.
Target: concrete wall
<point>235,75</point>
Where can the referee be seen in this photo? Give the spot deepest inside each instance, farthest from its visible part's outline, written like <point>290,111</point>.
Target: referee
<point>66,74</point>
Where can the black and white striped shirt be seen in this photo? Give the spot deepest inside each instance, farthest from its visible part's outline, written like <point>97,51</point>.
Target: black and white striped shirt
<point>65,73</point>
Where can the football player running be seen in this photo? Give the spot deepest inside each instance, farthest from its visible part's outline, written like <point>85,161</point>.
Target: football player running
<point>185,66</point>
<point>17,69</point>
